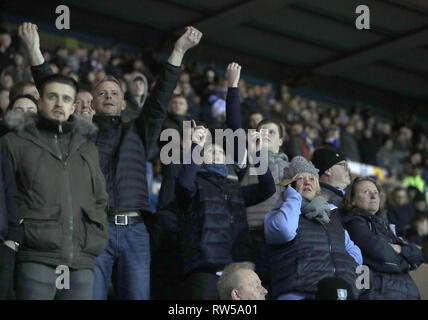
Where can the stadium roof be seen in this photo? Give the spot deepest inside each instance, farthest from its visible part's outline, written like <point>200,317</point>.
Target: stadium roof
<point>311,44</point>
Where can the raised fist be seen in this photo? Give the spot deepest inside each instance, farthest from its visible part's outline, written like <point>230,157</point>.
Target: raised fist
<point>199,134</point>
<point>233,73</point>
<point>29,35</point>
<point>188,40</point>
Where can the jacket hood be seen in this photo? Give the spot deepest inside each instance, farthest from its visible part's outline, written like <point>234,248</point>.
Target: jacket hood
<point>18,121</point>
<point>131,89</point>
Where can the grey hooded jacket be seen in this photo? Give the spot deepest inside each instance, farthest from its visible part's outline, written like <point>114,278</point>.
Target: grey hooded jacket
<point>256,214</point>
<point>134,106</point>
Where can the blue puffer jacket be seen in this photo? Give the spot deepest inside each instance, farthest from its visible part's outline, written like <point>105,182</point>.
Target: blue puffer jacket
<point>215,231</point>
<point>316,252</point>
<point>389,275</point>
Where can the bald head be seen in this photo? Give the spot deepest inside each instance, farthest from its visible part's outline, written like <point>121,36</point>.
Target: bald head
<point>240,282</point>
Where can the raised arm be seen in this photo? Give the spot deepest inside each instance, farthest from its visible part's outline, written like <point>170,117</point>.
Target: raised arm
<point>281,223</point>
<point>28,32</point>
<point>149,123</point>
<point>186,184</point>
<point>233,104</point>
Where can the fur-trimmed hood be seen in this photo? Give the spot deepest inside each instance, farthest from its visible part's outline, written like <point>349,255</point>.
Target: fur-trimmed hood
<point>18,121</point>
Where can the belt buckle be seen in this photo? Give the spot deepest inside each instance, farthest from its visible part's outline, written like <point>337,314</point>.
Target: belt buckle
<point>121,223</point>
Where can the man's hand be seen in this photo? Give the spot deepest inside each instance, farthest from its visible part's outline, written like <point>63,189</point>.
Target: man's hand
<point>199,134</point>
<point>11,244</point>
<point>188,40</point>
<point>396,247</point>
<point>257,140</point>
<point>233,73</point>
<point>30,36</point>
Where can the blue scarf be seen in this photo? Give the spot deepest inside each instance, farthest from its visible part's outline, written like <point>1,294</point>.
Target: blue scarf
<point>218,168</point>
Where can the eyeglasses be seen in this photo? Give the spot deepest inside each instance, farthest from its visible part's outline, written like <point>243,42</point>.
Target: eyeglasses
<point>343,164</point>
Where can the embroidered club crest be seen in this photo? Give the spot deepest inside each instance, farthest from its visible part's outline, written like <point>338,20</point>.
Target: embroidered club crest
<point>342,294</point>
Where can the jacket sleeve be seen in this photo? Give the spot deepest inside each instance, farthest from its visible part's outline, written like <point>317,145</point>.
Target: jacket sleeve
<point>353,249</point>
<point>39,72</point>
<point>186,183</point>
<point>233,109</point>
<point>256,193</point>
<point>413,255</point>
<point>234,122</point>
<point>378,253</point>
<point>101,195</point>
<point>280,224</point>
<point>149,122</point>
<point>14,229</point>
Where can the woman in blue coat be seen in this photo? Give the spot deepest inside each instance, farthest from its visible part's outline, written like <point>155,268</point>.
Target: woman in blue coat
<point>307,242</point>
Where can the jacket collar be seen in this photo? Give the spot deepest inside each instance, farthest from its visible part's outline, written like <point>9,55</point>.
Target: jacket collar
<point>55,126</point>
<point>28,126</point>
<point>332,189</point>
<point>107,122</point>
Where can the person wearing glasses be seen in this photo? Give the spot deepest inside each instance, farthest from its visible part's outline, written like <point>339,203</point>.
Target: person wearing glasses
<point>389,258</point>
<point>334,174</point>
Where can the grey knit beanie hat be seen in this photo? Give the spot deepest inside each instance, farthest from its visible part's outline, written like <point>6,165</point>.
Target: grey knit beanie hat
<point>298,165</point>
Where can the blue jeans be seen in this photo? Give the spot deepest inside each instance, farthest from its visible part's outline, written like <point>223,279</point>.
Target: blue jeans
<point>127,258</point>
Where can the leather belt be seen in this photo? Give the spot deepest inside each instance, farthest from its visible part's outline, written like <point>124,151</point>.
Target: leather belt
<point>124,220</point>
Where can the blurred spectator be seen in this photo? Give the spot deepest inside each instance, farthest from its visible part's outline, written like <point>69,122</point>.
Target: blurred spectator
<point>24,87</point>
<point>418,232</point>
<point>420,203</point>
<point>368,147</point>
<point>6,80</point>
<point>414,179</point>
<point>18,70</point>
<point>135,97</point>
<point>299,143</point>
<point>4,100</point>
<point>349,144</point>
<point>218,113</point>
<point>400,211</point>
<point>254,119</point>
<point>6,50</point>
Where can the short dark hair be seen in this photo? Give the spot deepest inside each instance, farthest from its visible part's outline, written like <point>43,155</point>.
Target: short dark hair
<point>109,78</point>
<point>58,78</point>
<point>178,95</point>
<point>20,96</point>
<point>277,123</point>
<point>18,88</point>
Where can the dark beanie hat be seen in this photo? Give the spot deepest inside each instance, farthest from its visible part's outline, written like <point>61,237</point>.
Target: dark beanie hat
<point>324,158</point>
<point>334,289</point>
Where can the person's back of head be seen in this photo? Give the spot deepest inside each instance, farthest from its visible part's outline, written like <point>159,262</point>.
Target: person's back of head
<point>24,87</point>
<point>239,282</point>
